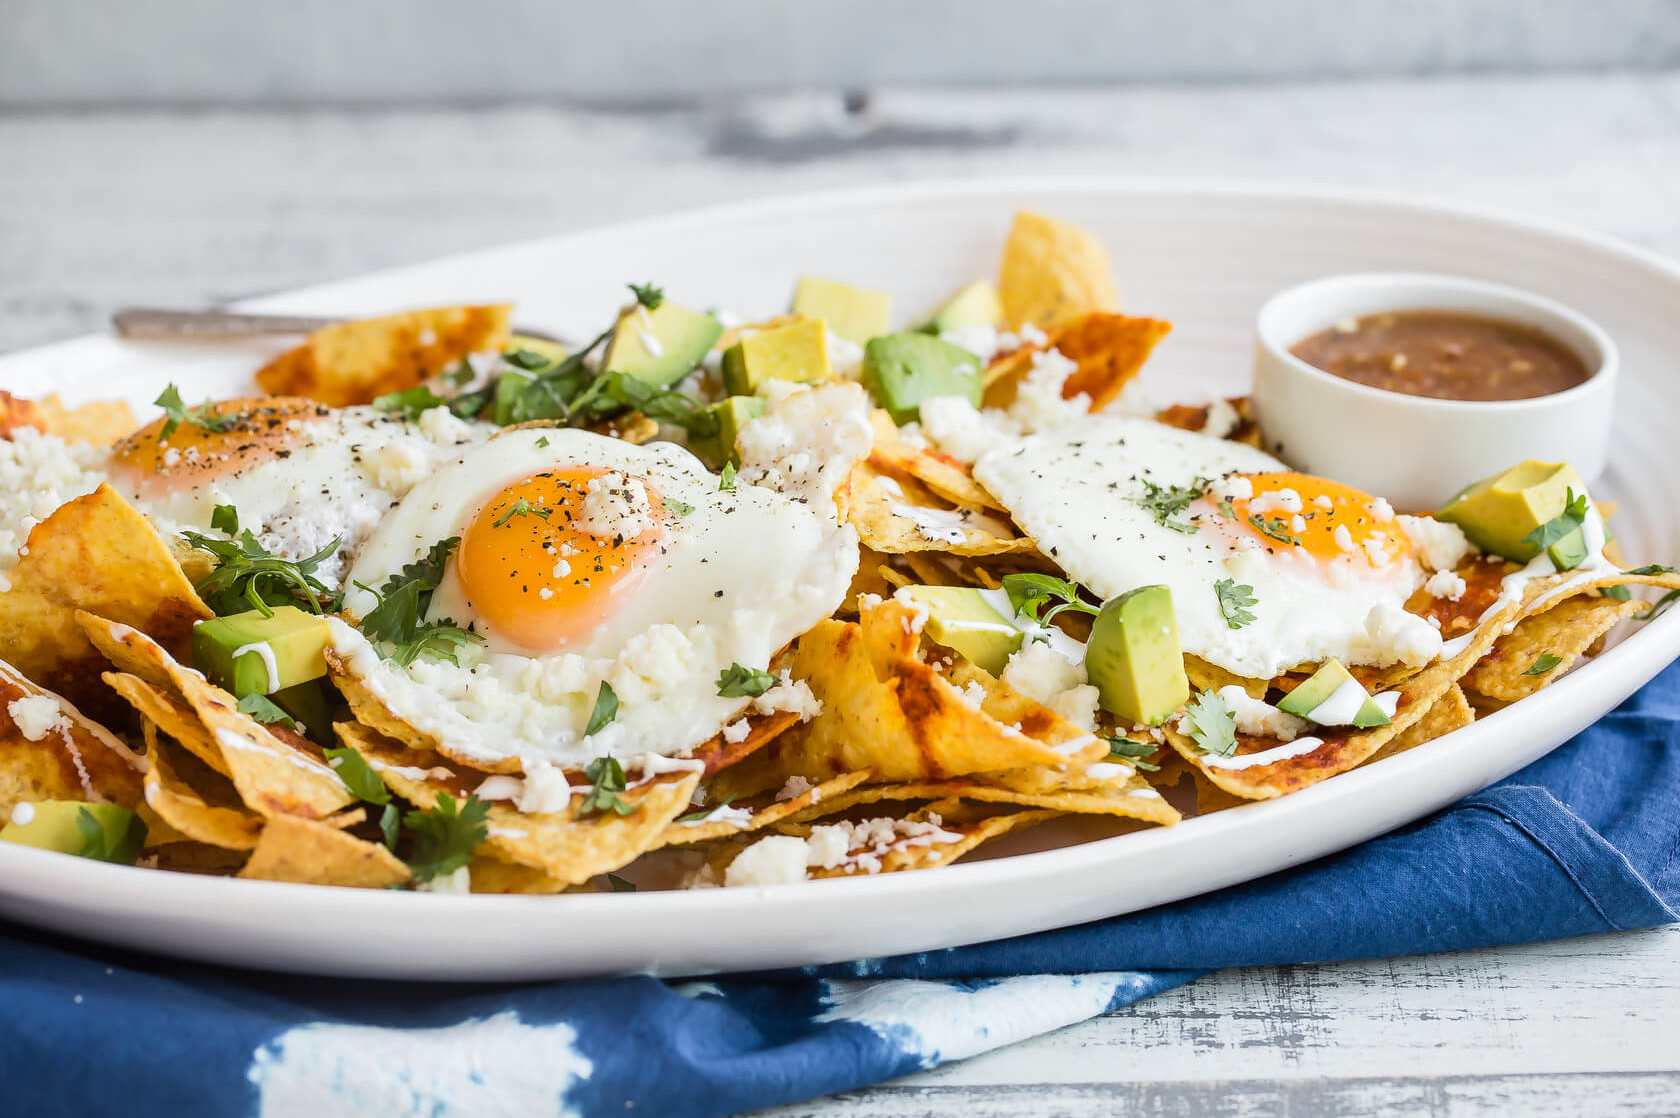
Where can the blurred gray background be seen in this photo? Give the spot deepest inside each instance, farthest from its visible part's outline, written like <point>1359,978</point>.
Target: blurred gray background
<point>188,151</point>
<point>80,52</point>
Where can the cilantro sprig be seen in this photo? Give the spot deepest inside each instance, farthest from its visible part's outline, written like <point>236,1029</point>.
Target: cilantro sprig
<point>1274,528</point>
<point>1574,515</point>
<point>1234,600</point>
<point>1166,502</point>
<point>737,682</point>
<point>1543,663</point>
<point>204,416</point>
<point>398,620</point>
<point>247,576</point>
<point>606,781</point>
<point>521,507</point>
<point>443,838</point>
<point>263,709</point>
<point>365,784</point>
<point>648,295</point>
<point>1132,753</point>
<point>1212,725</point>
<point>1030,593</point>
<point>605,710</point>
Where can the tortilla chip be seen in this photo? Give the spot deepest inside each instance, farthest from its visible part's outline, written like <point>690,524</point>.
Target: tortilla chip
<point>185,808</point>
<point>100,423</point>
<point>1129,798</point>
<point>490,874</point>
<point>895,515</point>
<point>1204,676</point>
<point>195,857</point>
<point>944,476</point>
<point>274,776</point>
<point>76,760</point>
<point>355,362</point>
<point>310,852</point>
<point>1110,349</point>
<point>172,716</point>
<point>765,810</point>
<point>94,553</point>
<point>1565,631</point>
<point>1450,712</point>
<point>567,849</point>
<point>1052,273</point>
<point>883,708</point>
<point>969,834</point>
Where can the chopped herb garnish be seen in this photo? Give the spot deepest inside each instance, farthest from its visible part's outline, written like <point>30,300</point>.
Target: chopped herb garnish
<point>1619,593</point>
<point>225,518</point>
<point>726,480</point>
<point>263,710</point>
<point>445,836</point>
<point>648,295</point>
<point>619,885</point>
<point>1234,600</point>
<point>606,781</point>
<point>358,776</point>
<point>390,825</point>
<point>1574,514</point>
<point>606,709</point>
<point>700,816</point>
<point>248,577</point>
<point>542,443</point>
<point>1543,663</point>
<point>1226,510</point>
<point>1274,527</point>
<point>1652,569</point>
<point>737,682</point>
<point>526,359</point>
<point>1132,753</point>
<point>681,508</point>
<point>1029,593</point>
<point>410,402</point>
<point>1212,725</point>
<point>521,507</point>
<point>204,416</point>
<point>1661,606</point>
<point>398,618</point>
<point>459,374</point>
<point>1165,502</point>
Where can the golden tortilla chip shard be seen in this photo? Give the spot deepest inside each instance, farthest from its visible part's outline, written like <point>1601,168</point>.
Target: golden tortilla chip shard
<point>50,751</point>
<point>355,362</point>
<point>765,811</point>
<point>1211,677</point>
<point>310,852</point>
<point>100,423</point>
<point>94,553</point>
<point>945,477</point>
<point>273,776</point>
<point>898,515</point>
<point>370,710</point>
<point>883,708</point>
<point>1130,798</point>
<point>1110,350</point>
<point>490,874</point>
<point>1052,273</point>
<point>1450,712</point>
<point>966,836</point>
<point>185,809</point>
<point>1563,632</point>
<point>566,848</point>
<point>169,715</point>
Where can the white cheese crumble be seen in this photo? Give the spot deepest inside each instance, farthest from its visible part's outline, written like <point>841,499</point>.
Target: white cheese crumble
<point>1256,716</point>
<point>38,473</point>
<point>545,789</point>
<point>1222,419</point>
<point>1038,403</point>
<point>1440,546</point>
<point>789,694</point>
<point>36,716</point>
<point>459,882</point>
<point>1445,584</point>
<point>807,442</point>
<point>774,860</point>
<point>616,505</point>
<point>795,787</point>
<point>737,731</point>
<point>1045,675</point>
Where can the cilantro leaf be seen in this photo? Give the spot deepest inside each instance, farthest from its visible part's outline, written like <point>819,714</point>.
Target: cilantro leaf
<point>1543,663</point>
<point>606,778</point>
<point>398,618</point>
<point>246,576</point>
<point>1029,593</point>
<point>445,836</point>
<point>1164,502</point>
<point>1652,569</point>
<point>521,507</point>
<point>1574,514</point>
<point>1133,753</point>
<point>204,416</point>
<point>528,360</point>
<point>390,825</point>
<point>1212,725</point>
<point>1275,528</point>
<point>358,776</point>
<point>410,402</point>
<point>1660,607</point>
<point>542,443</point>
<point>606,709</point>
<point>681,508</point>
<point>263,710</point>
<point>225,518</point>
<point>648,295</point>
<point>1619,593</point>
<point>737,682</point>
<point>726,480</point>
<point>1234,600</point>
<point>699,816</point>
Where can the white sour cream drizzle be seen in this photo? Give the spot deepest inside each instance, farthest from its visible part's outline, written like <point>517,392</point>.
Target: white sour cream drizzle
<point>263,651</point>
<point>1265,757</point>
<point>723,813</point>
<point>1342,707</point>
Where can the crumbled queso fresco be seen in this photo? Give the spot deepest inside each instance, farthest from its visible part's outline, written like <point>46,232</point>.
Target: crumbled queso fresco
<point>38,473</point>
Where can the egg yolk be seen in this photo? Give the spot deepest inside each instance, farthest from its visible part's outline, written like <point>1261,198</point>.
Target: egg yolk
<point>1328,520</point>
<point>222,439</point>
<point>546,560</point>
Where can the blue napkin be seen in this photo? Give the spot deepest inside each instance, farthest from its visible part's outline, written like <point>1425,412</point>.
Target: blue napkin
<point>1582,841</point>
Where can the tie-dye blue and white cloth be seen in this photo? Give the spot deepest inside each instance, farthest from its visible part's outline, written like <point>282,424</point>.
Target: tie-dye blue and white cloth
<point>1583,841</point>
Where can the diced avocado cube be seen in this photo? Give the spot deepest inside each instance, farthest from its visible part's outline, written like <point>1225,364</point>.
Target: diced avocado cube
<point>249,654</point>
<point>975,305</point>
<point>552,352</point>
<point>961,619</point>
<point>732,414</point>
<point>306,703</point>
<point>660,346</point>
<point>902,370</point>
<point>1569,552</point>
<point>855,313</point>
<point>1332,697</point>
<point>104,832</point>
<point>1133,657</point>
<point>1499,512</point>
<point>797,352</point>
<point>508,387</point>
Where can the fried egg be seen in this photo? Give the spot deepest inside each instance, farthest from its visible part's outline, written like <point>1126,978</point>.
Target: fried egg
<point>584,559</point>
<point>299,473</point>
<point>1329,568</point>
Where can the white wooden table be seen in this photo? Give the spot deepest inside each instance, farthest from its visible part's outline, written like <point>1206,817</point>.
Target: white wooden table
<point>100,209</point>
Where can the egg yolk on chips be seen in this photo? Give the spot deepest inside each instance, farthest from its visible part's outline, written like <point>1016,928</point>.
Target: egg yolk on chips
<point>543,568</point>
<point>222,439</point>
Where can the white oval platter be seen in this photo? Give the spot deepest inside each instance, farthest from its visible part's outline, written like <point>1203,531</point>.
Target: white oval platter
<point>1203,255</point>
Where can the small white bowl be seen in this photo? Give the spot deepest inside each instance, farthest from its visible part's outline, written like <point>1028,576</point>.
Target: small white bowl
<point>1417,451</point>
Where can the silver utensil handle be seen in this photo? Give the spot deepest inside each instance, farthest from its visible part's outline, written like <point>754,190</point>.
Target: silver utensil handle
<point>159,323</point>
